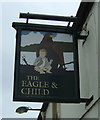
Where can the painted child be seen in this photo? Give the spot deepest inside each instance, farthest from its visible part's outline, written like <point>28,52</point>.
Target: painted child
<point>41,64</point>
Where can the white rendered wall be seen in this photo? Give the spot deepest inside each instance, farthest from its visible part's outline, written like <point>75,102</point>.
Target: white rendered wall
<point>88,57</point>
<point>49,111</point>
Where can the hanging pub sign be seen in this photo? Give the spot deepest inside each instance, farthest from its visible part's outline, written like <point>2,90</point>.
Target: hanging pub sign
<point>46,64</point>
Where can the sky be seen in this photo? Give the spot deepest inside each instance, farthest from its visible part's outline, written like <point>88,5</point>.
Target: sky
<point>0,62</point>
<point>10,13</point>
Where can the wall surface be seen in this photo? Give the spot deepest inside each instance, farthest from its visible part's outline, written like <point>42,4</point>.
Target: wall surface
<point>88,62</point>
<point>49,111</point>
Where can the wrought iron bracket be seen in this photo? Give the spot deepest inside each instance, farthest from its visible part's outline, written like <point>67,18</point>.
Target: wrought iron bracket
<point>86,100</point>
<point>27,19</point>
<point>47,17</point>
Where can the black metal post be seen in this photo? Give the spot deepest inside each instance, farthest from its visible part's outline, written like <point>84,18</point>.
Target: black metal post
<point>35,109</point>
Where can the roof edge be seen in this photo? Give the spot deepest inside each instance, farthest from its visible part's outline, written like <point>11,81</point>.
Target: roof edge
<point>82,14</point>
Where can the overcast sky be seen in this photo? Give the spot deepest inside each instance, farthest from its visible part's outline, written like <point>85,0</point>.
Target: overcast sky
<point>0,62</point>
<point>10,13</point>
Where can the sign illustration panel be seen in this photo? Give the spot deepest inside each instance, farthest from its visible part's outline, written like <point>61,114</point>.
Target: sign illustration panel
<point>45,67</point>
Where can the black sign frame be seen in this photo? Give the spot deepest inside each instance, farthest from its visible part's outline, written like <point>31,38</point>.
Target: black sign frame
<point>47,28</point>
